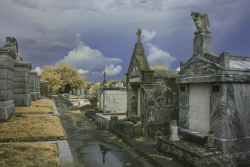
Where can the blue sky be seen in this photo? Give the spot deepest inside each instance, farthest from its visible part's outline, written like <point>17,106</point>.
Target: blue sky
<point>98,35</point>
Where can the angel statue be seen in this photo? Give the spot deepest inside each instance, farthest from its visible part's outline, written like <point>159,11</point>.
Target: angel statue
<point>200,21</point>
<point>11,42</point>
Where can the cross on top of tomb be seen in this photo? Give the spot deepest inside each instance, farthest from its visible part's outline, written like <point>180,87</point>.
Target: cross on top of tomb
<point>138,33</point>
<point>104,75</point>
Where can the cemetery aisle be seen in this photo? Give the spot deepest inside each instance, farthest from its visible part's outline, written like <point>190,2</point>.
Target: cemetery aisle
<point>92,148</point>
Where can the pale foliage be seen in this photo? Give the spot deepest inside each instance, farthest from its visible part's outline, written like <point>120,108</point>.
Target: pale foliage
<point>110,82</point>
<point>95,88</point>
<point>61,75</point>
<point>159,68</point>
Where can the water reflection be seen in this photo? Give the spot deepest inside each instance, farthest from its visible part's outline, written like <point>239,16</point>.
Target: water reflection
<point>104,150</point>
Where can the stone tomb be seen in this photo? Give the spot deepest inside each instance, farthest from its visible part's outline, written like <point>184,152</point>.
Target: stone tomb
<point>112,99</point>
<point>152,95</point>
<point>38,86</point>
<point>7,58</point>
<point>21,91</point>
<point>33,86</point>
<point>214,103</point>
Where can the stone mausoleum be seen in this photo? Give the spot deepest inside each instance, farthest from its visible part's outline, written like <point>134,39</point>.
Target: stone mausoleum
<point>113,99</point>
<point>214,105</point>
<point>152,95</point>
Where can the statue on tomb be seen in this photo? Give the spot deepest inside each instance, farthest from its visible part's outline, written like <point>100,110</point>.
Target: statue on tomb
<point>201,22</point>
<point>11,42</point>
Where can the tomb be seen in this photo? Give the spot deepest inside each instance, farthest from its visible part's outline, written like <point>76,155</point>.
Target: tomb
<point>21,89</point>
<point>152,95</point>
<point>214,102</point>
<point>112,99</point>
<point>33,89</point>
<point>38,86</point>
<point>8,54</point>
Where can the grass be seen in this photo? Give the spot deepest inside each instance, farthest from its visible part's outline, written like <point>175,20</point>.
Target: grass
<point>28,155</point>
<point>25,128</point>
<point>42,106</point>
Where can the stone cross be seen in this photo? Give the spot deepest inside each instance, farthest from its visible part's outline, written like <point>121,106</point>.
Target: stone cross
<point>104,74</point>
<point>138,33</point>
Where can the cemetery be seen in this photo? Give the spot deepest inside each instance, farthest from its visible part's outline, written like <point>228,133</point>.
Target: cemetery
<point>198,116</point>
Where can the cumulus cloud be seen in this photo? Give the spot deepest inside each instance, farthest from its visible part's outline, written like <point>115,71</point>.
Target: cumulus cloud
<point>159,57</point>
<point>84,56</point>
<point>112,70</point>
<point>82,72</point>
<point>39,70</point>
<point>178,69</point>
<point>148,36</point>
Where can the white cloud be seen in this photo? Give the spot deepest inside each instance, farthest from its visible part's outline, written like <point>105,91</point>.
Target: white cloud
<point>112,70</point>
<point>178,69</point>
<point>62,45</point>
<point>148,36</point>
<point>84,56</point>
<point>39,70</point>
<point>78,35</point>
<point>82,72</point>
<point>159,57</point>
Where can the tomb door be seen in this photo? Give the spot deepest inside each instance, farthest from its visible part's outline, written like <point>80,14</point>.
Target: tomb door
<point>139,103</point>
<point>199,107</point>
<point>102,101</point>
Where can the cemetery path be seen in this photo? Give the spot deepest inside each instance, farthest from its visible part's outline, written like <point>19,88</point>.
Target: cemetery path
<point>93,148</point>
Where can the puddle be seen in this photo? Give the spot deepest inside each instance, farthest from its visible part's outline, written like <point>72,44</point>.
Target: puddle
<point>100,155</point>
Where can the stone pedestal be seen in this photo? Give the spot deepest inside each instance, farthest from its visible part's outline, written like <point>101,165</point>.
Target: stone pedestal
<point>202,43</point>
<point>33,91</point>
<point>7,107</point>
<point>21,91</point>
<point>174,134</point>
<point>128,130</point>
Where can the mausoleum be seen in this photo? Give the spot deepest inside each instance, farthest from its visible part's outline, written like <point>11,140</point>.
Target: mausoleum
<point>152,94</point>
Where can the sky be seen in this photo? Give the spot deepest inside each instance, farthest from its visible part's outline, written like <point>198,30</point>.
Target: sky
<point>99,35</point>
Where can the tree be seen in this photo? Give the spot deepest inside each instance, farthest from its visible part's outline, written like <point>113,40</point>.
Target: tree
<point>61,75</point>
<point>159,68</point>
<point>95,88</point>
<point>110,82</point>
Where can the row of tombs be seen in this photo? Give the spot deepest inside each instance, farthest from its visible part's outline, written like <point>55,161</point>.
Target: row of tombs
<point>207,102</point>
<point>19,85</point>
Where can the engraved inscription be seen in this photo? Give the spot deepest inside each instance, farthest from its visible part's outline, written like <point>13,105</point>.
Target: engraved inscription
<point>199,110</point>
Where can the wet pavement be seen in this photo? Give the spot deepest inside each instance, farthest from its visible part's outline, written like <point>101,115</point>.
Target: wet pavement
<point>93,148</point>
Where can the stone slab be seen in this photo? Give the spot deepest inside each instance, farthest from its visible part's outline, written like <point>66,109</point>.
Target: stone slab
<point>21,91</point>
<point>7,108</point>
<point>6,84</point>
<point>33,96</point>
<point>22,101</point>
<point>6,95</point>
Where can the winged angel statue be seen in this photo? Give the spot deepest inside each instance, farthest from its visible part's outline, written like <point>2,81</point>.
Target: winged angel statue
<point>201,22</point>
<point>11,42</point>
